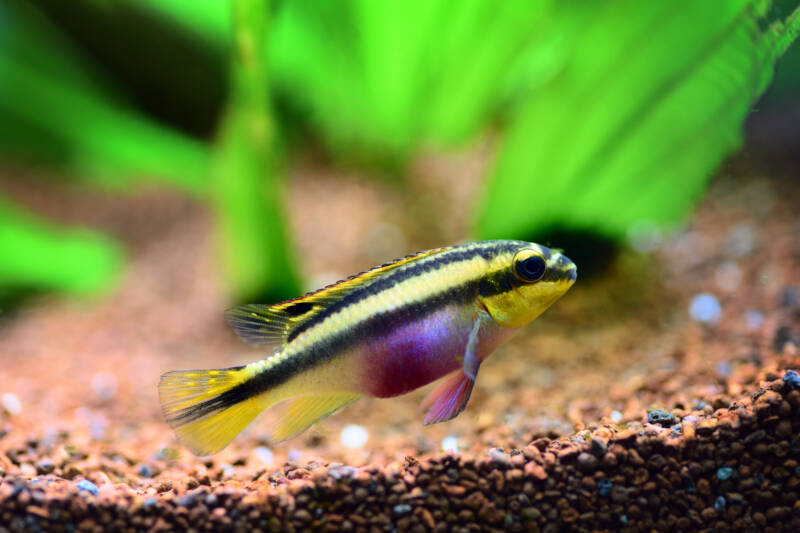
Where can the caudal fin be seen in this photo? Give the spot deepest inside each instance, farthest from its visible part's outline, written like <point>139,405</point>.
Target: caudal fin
<point>206,408</point>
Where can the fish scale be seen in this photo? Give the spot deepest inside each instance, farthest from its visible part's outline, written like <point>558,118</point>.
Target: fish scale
<point>384,332</point>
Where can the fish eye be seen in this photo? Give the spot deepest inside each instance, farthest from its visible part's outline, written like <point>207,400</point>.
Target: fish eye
<point>530,267</point>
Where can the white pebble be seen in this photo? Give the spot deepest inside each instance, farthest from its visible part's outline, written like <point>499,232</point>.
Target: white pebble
<point>741,240</point>
<point>705,308</point>
<point>11,403</point>
<point>265,455</point>
<point>104,385</point>
<point>354,436</point>
<point>753,319</point>
<point>499,456</point>
<point>98,424</point>
<point>450,444</point>
<point>294,454</point>
<point>616,416</point>
<point>728,276</point>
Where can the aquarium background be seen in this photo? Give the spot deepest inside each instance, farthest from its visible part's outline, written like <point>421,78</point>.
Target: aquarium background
<point>593,122</point>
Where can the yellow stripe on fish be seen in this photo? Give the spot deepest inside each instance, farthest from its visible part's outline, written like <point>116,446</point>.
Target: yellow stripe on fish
<point>380,333</point>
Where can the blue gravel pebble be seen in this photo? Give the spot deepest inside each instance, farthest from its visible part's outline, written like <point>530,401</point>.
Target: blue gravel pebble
<point>792,379</point>
<point>624,519</point>
<point>659,416</point>
<point>705,308</point>
<point>402,509</point>
<point>149,502</point>
<point>604,487</point>
<point>724,473</point>
<point>720,503</point>
<point>145,471</point>
<point>88,486</point>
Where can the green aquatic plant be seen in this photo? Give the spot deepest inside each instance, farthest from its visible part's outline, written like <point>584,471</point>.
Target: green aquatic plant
<point>605,116</point>
<point>647,105</point>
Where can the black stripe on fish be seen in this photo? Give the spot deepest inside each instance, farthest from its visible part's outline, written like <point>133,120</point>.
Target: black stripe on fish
<point>392,278</point>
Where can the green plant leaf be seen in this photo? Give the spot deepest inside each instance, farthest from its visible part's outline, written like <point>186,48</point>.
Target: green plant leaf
<point>651,99</point>
<point>38,255</point>
<point>53,108</point>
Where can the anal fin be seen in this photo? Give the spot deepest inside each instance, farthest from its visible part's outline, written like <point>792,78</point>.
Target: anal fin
<point>300,413</point>
<point>449,398</point>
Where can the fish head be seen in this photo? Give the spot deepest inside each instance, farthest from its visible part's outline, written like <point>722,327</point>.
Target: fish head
<point>535,276</point>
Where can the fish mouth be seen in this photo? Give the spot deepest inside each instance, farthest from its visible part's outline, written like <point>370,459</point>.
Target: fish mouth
<point>565,269</point>
<point>572,274</point>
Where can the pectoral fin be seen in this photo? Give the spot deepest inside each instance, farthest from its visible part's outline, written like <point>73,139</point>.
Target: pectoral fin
<point>449,398</point>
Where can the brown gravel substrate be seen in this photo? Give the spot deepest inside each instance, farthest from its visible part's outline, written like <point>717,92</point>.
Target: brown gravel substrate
<point>734,468</point>
<point>614,411</point>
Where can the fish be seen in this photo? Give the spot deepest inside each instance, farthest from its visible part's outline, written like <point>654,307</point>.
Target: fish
<point>433,315</point>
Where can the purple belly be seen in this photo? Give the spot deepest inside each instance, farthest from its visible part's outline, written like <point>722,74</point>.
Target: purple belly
<point>419,351</point>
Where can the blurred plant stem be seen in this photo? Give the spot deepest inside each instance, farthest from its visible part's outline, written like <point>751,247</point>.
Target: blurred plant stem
<point>245,187</point>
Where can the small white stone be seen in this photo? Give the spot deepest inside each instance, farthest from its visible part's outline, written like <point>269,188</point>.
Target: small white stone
<point>728,276</point>
<point>616,416</point>
<point>450,444</point>
<point>705,308</point>
<point>104,385</point>
<point>354,436</point>
<point>498,455</point>
<point>294,454</point>
<point>741,240</point>
<point>265,455</point>
<point>11,403</point>
<point>98,424</point>
<point>753,319</point>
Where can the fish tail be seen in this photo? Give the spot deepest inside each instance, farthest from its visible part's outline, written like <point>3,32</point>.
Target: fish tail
<point>208,408</point>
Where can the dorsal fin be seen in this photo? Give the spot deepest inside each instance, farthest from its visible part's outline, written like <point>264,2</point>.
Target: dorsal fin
<point>270,325</point>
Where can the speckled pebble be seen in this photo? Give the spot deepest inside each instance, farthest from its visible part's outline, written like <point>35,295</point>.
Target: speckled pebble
<point>792,379</point>
<point>724,473</point>
<point>87,486</point>
<point>660,417</point>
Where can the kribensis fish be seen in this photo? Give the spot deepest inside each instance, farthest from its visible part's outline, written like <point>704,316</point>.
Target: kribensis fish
<point>381,333</point>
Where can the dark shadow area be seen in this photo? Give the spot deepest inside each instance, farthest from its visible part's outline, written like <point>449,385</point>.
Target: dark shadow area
<point>163,69</point>
<point>591,252</point>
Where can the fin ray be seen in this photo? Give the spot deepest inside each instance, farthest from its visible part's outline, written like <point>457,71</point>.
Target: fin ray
<point>260,325</point>
<point>270,325</point>
<point>304,411</point>
<point>183,395</point>
<point>448,399</point>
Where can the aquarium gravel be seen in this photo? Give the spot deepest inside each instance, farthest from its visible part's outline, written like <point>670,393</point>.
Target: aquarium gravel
<point>636,430</point>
